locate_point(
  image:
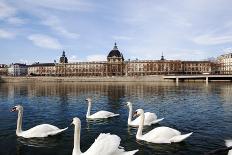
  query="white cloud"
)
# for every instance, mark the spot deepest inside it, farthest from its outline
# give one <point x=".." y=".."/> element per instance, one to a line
<point x="70" y="5"/>
<point x="6" y="10"/>
<point x="212" y="40"/>
<point x="169" y="53"/>
<point x="126" y="38"/>
<point x="16" y="21"/>
<point x="8" y="14"/>
<point x="54" y="23"/>
<point x="24" y="61"/>
<point x="74" y="58"/>
<point x="187" y="54"/>
<point x="6" y="34"/>
<point x="96" y="57"/>
<point x="227" y="50"/>
<point x="45" y="41"/>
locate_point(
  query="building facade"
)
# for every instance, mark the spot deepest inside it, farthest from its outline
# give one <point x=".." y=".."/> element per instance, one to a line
<point x="198" y="67"/>
<point x="225" y="63"/>
<point x="3" y="69"/>
<point x="115" y="65"/>
<point x="153" y="67"/>
<point x="42" y="69"/>
<point x="17" y="69"/>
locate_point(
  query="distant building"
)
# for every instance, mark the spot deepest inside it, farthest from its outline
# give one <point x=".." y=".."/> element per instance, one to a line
<point x="17" y="69"/>
<point x="153" y="67"/>
<point x="198" y="67"/>
<point x="42" y="69"/>
<point x="225" y="64"/>
<point x="115" y="65"/>
<point x="3" y="69"/>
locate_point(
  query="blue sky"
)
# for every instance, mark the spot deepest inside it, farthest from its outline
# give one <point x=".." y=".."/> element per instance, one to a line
<point x="39" y="30"/>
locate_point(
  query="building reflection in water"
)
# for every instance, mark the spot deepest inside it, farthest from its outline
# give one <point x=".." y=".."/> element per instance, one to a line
<point x="113" y="92"/>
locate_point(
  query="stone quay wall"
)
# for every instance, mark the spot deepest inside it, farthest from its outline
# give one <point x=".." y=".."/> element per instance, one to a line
<point x="155" y="78"/>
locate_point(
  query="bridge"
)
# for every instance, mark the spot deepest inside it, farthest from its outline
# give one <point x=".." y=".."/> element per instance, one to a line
<point x="207" y="78"/>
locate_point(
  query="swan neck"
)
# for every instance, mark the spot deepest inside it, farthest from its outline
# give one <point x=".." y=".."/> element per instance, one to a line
<point x="19" y="122"/>
<point x="140" y="129"/>
<point x="130" y="114"/>
<point x="76" y="147"/>
<point x="89" y="108"/>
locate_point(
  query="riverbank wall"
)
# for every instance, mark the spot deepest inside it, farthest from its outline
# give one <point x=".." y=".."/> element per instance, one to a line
<point x="7" y="79"/>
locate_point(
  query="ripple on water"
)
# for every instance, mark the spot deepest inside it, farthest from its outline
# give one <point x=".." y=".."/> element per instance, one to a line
<point x="189" y="107"/>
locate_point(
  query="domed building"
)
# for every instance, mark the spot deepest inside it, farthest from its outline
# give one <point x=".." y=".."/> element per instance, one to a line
<point x="63" y="58"/>
<point x="115" y="65"/>
<point x="115" y="55"/>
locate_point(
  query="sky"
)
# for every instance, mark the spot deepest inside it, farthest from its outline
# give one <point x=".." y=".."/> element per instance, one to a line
<point x="39" y="30"/>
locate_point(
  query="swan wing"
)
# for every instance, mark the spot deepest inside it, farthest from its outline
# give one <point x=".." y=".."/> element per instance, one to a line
<point x="149" y="117"/>
<point x="105" y="144"/>
<point x="180" y="138"/>
<point x="156" y="121"/>
<point x="42" y="130"/>
<point x="123" y="152"/>
<point x="160" y="135"/>
<point x="103" y="114"/>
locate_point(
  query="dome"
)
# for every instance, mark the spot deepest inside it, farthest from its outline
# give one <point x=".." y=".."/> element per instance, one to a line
<point x="63" y="58"/>
<point x="115" y="52"/>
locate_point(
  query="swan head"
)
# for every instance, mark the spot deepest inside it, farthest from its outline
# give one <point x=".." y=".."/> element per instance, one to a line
<point x="129" y="104"/>
<point x="17" y="108"/>
<point x="88" y="100"/>
<point x="76" y="121"/>
<point x="138" y="112"/>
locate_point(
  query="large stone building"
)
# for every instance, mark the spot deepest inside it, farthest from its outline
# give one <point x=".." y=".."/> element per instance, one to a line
<point x="17" y="69"/>
<point x="225" y="64"/>
<point x="3" y="69"/>
<point x="115" y="65"/>
<point x="42" y="69"/>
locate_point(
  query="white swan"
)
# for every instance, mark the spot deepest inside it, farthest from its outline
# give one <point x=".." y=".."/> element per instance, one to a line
<point x="98" y="115"/>
<point x="43" y="130"/>
<point x="159" y="134"/>
<point x="229" y="144"/>
<point x="105" y="144"/>
<point x="150" y="118"/>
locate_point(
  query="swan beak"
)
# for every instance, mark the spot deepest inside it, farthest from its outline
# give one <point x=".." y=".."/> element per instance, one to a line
<point x="13" y="109"/>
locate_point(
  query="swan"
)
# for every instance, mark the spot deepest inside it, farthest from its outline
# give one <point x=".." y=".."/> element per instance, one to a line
<point x="100" y="114"/>
<point x="42" y="130"/>
<point x="150" y="118"/>
<point x="229" y="145"/>
<point x="159" y="134"/>
<point x="105" y="144"/>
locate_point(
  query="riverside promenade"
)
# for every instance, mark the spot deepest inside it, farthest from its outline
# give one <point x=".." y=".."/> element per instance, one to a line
<point x="207" y="78"/>
<point x="9" y="79"/>
<point x="152" y="78"/>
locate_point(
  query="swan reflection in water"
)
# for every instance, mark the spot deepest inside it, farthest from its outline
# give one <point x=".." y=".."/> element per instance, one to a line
<point x="48" y="142"/>
<point x="151" y="148"/>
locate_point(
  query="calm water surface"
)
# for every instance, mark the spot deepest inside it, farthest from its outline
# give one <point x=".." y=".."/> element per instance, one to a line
<point x="189" y="107"/>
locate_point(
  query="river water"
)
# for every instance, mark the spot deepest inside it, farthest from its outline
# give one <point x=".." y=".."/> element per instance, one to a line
<point x="203" y="109"/>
